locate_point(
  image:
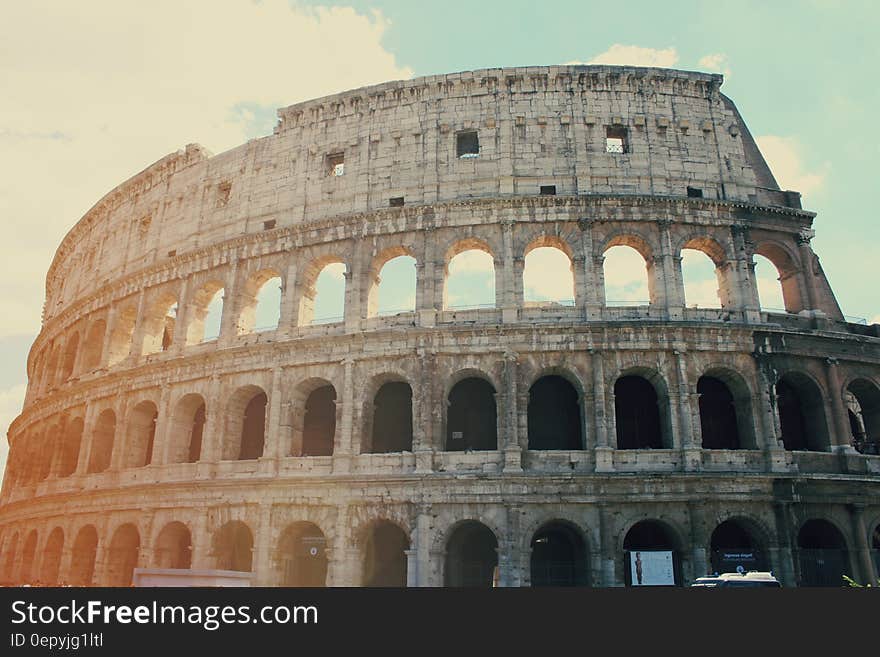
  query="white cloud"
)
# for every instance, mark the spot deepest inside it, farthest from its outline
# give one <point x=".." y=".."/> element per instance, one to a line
<point x="785" y="157"/>
<point x="11" y="400"/>
<point x="94" y="92"/>
<point x="716" y="62"/>
<point x="471" y="261"/>
<point x="547" y="275"/>
<point x="621" y="55"/>
<point x="626" y="276"/>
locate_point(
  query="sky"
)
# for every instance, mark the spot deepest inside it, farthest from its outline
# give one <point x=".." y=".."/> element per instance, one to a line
<point x="94" y="91"/>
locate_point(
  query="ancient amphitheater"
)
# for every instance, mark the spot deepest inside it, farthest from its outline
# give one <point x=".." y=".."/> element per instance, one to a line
<point x="536" y="443"/>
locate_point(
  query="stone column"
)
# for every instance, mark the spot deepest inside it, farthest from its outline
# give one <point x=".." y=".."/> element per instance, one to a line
<point x="355" y="275"/>
<point x="275" y="440"/>
<point x="178" y="340"/>
<point x="146" y="550"/>
<point x="603" y="452"/>
<point x="342" y="452"/>
<point x="669" y="289"/>
<point x="806" y="256"/>
<point x="785" y="558"/>
<point x="262" y="567"/>
<point x="691" y="450"/>
<point x="289" y="306"/>
<point x="746" y="283"/>
<point x="607" y="549"/>
<point x="699" y="539"/>
<point x="591" y="294"/>
<point x="229" y="316"/>
<point x="510" y="430"/>
<point x="862" y="547"/>
<point x="85" y="448"/>
<point x="516" y="576"/>
<point x="163" y="428"/>
<point x="120" y="434"/>
<point x="429" y="279"/>
<point x="202" y="549"/>
<point x="504" y="281"/>
<point x="423" y="402"/>
<point x="768" y="418"/>
<point x="136" y="347"/>
<point x="212" y="434"/>
<point x="841" y="433"/>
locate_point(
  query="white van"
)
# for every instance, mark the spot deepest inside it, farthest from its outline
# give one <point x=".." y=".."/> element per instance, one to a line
<point x="753" y="578"/>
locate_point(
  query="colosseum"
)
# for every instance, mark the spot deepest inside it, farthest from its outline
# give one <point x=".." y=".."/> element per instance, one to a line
<point x="581" y="442"/>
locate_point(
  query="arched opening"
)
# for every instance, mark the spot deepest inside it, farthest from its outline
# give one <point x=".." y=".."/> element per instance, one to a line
<point x="469" y="280"/>
<point x="554" y="415"/>
<point x="51" y="561"/>
<point x="766" y="275"/>
<point x="48" y="446"/>
<point x="302" y="556"/>
<point x="325" y="303"/>
<point x="121" y="335"/>
<point x="652" y="557"/>
<point x="260" y="303"/>
<point x="158" y="325"/>
<point x="246" y="424"/>
<point x="627" y="273"/>
<point x="548" y="276"/>
<point x="471" y="418"/>
<point x="788" y="275"/>
<point x="205" y="313"/>
<point x="28" y="552"/>
<point x="703" y="281"/>
<point x="385" y="555"/>
<point x="733" y="549"/>
<point x="122" y="557"/>
<point x="863" y="408"/>
<point x="639" y="416"/>
<point x="471" y="556"/>
<point x="801" y="411"/>
<point x="173" y="547"/>
<point x="187" y="429"/>
<point x="718" y="416"/>
<point x="393" y="289"/>
<point x="50" y="374"/>
<point x="392" y="429"/>
<point x="71" y="440"/>
<point x="319" y="422"/>
<point x="822" y="554"/>
<point x="233" y="547"/>
<point x="103" y="436"/>
<point x="559" y="556"/>
<point x="70" y="351"/>
<point x="141" y="435"/>
<point x="82" y="564"/>
<point x="93" y="345"/>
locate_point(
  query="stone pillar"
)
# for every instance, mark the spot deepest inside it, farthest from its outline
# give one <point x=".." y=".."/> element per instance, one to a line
<point x="699" y="539"/>
<point x="785" y="560"/>
<point x="592" y="293"/>
<point x="603" y="452"/>
<point x="231" y="295"/>
<point x="163" y="428"/>
<point x="423" y="403"/>
<point x="146" y="549"/>
<point x="136" y="346"/>
<point x="691" y="450"/>
<point x="666" y="276"/>
<point x="355" y="275"/>
<point x="840" y="430"/>
<point x="504" y="282"/>
<point x="178" y="340"/>
<point x="202" y="548"/>
<point x="806" y="256"/>
<point x="607" y="549"/>
<point x="212" y="433"/>
<point x="517" y="575"/>
<point x="412" y="568"/>
<point x="862" y="547"/>
<point x="99" y="573"/>
<point x="120" y="434"/>
<point x="288" y="317"/>
<point x="85" y="448"/>
<point x="275" y="439"/>
<point x="262" y="565"/>
<point x="768" y="419"/>
<point x="429" y="280"/>
<point x="746" y="283"/>
<point x="342" y="452"/>
<point x="510" y="431"/>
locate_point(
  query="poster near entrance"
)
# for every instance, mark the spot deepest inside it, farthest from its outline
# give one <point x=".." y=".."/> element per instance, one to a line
<point x="735" y="561"/>
<point x="651" y="568"/>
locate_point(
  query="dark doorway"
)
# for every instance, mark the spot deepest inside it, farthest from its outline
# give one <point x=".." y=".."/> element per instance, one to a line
<point x="734" y="550"/>
<point x="82" y="564"/>
<point x="385" y="556"/>
<point x="822" y="555"/>
<point x="471" y="421"/>
<point x="319" y="423"/>
<point x="646" y="542"/>
<point x="253" y="430"/>
<point x="637" y="414"/>
<point x="303" y="556"/>
<point x="123" y="556"/>
<point x="554" y="415"/>
<point x="195" y="438"/>
<point x="559" y="557"/>
<point x="801" y="414"/>
<point x="471" y="556"/>
<point x="233" y="547"/>
<point x="51" y="561"/>
<point x="717" y="414"/>
<point x="392" y="419"/>
<point x="173" y="547"/>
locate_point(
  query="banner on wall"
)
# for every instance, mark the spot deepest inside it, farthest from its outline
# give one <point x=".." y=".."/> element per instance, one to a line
<point x="651" y="568"/>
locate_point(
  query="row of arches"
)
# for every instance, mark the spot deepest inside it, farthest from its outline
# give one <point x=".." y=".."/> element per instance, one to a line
<point x="559" y="554"/>
<point x="555" y="421"/>
<point x="166" y="317"/>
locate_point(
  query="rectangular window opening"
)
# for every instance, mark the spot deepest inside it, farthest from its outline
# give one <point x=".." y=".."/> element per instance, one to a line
<point x="396" y="201"/>
<point x="336" y="164"/>
<point x="694" y="192"/>
<point x="269" y="225"/>
<point x="615" y="139"/>
<point x="467" y="144"/>
<point x="548" y="190"/>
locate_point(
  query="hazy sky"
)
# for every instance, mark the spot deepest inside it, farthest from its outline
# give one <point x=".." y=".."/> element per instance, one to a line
<point x="96" y="90"/>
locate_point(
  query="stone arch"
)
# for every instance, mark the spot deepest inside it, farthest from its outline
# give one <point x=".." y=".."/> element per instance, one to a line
<point x="122" y="555"/>
<point x="458" y="248"/>
<point x="158" y="323"/>
<point x="822" y="553"/>
<point x="555" y="414"/>
<point x="384" y="544"/>
<point x="308" y="289"/>
<point x="93" y="346"/>
<point x="652" y="535"/>
<point x="245" y="434"/>
<point x="314" y="418"/>
<point x="789" y="273"/>
<point x="51" y="371"/>
<point x="641" y="246"/>
<point x="103" y="438"/>
<point x="388" y="416"/>
<point x="559" y="555"/>
<point x="70" y="446"/>
<point x="862" y="400"/>
<point x="471" y="555"/>
<point x="563" y="293"/>
<point x="254" y="296"/>
<point x="121" y="335"/>
<point x="800" y="404"/>
<point x="28" y="558"/>
<point x="374" y="283"/>
<point x="642" y="410"/>
<point x="738" y="544"/>
<point x="301" y="558"/>
<point x="233" y="545"/>
<point x="50" y="563"/>
<point x="187" y="429"/>
<point x="82" y="564"/>
<point x="173" y="547"/>
<point x="471" y="413"/>
<point x="715" y="252"/>
<point x="725" y="405"/>
<point x="141" y="435"/>
<point x="200" y="321"/>
<point x="71" y="349"/>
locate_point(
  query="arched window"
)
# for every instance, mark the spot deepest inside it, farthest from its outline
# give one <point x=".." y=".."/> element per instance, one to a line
<point x="121" y="335"/>
<point x="158" y="324"/>
<point x="302" y="556"/>
<point x="122" y="556"/>
<point x="392" y="419"/>
<point x="71" y="440"/>
<point x="329" y="295"/>
<point x="863" y="409"/>
<point x="385" y="555"/>
<point x="25" y="572"/>
<point x="470" y="277"/>
<point x="641" y="419"/>
<point x="187" y="429"/>
<point x="554" y="415"/>
<point x="822" y="554"/>
<point x="627" y="277"/>
<point x="652" y="556"/>
<point x="559" y="556"/>
<point x="260" y="303"/>
<point x="141" y="435"/>
<point x="51" y="561"/>
<point x="318" y="422"/>
<point x="103" y="437"/>
<point x="471" y="556"/>
<point x="393" y="289"/>
<point x="70" y="351"/>
<point x="788" y="276"/>
<point x="253" y="429"/>
<point x="233" y="547"/>
<point x="701" y="280"/>
<point x="769" y="288"/>
<point x="801" y="409"/>
<point x="173" y="547"/>
<point x="205" y="313"/>
<point x="471" y="418"/>
<point x="548" y="276"/>
<point x="82" y="564"/>
<point x="718" y="416"/>
<point x="93" y="345"/>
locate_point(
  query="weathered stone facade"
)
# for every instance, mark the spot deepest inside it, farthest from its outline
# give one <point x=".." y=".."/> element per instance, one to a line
<point x="105" y="473"/>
